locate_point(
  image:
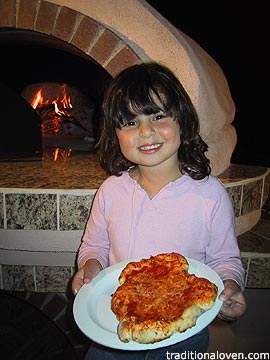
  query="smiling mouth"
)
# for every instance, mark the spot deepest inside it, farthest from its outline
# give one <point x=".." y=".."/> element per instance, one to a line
<point x="150" y="147"/>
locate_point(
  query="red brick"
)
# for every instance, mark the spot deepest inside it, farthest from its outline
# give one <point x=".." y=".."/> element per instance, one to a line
<point x="46" y="17"/>
<point x="104" y="46"/>
<point x="65" y="24"/>
<point x="125" y="58"/>
<point x="7" y="13"/>
<point x="26" y="14"/>
<point x="85" y="33"/>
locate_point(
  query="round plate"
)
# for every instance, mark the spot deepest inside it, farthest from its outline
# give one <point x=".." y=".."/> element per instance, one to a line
<point x="93" y="314"/>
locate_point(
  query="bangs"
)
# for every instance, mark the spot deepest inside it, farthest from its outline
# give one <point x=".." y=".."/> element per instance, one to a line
<point x="137" y="101"/>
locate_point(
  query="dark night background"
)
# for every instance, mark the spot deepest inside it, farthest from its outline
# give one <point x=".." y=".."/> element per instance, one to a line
<point x="221" y="29"/>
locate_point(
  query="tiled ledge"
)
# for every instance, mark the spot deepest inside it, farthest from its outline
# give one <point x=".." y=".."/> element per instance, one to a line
<point x="46" y="187"/>
<point x="43" y="211"/>
<point x="248" y="187"/>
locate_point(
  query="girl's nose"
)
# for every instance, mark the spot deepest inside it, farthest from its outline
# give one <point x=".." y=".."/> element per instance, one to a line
<point x="147" y="130"/>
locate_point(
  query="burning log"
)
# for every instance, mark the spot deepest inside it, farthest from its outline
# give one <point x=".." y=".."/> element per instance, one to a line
<point x="53" y="122"/>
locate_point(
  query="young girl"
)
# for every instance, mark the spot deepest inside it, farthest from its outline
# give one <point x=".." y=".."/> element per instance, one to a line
<point x="160" y="196"/>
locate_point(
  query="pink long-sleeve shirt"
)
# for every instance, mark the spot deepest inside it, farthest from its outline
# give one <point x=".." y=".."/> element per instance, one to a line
<point x="192" y="217"/>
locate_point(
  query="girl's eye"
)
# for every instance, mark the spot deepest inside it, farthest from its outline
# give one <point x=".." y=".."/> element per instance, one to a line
<point x="129" y="124"/>
<point x="159" y="117"/>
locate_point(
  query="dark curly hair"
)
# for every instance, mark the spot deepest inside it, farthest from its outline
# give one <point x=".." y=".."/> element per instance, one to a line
<point x="135" y="91"/>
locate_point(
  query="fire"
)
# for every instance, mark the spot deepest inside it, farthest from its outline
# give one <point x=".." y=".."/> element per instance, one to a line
<point x="38" y="99"/>
<point x="54" y="113"/>
<point x="62" y="100"/>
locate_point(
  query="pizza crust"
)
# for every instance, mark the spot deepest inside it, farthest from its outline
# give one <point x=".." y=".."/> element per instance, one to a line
<point x="158" y="297"/>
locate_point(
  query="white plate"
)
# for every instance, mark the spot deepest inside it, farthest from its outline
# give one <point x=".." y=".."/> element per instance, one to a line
<point x="93" y="314"/>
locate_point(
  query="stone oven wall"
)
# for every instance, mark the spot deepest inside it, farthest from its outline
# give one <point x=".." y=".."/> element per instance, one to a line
<point x="116" y="37"/>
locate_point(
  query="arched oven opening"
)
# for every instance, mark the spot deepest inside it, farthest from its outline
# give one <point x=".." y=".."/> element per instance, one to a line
<point x="50" y="94"/>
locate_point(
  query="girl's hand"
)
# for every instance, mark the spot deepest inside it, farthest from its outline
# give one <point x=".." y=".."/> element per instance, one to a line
<point x="85" y="275"/>
<point x="234" y="303"/>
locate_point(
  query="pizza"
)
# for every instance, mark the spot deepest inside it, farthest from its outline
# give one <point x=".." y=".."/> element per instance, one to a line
<point x="157" y="297"/>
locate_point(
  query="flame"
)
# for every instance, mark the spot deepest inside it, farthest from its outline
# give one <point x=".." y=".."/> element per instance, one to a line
<point x="61" y="102"/>
<point x="57" y="110"/>
<point x="38" y="99"/>
<point x="64" y="101"/>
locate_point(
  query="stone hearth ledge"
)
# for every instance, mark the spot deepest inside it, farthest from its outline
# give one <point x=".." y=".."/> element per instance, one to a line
<point x="44" y="209"/>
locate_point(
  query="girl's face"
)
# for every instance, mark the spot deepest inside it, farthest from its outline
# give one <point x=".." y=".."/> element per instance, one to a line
<point x="150" y="140"/>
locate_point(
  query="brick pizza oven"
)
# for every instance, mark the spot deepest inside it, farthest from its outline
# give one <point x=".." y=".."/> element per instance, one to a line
<point x="111" y="36"/>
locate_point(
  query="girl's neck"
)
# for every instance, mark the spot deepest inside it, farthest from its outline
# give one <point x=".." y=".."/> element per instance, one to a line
<point x="152" y="180"/>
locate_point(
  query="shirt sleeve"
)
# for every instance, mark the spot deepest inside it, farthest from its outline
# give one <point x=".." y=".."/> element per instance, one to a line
<point x="222" y="253"/>
<point x="95" y="241"/>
